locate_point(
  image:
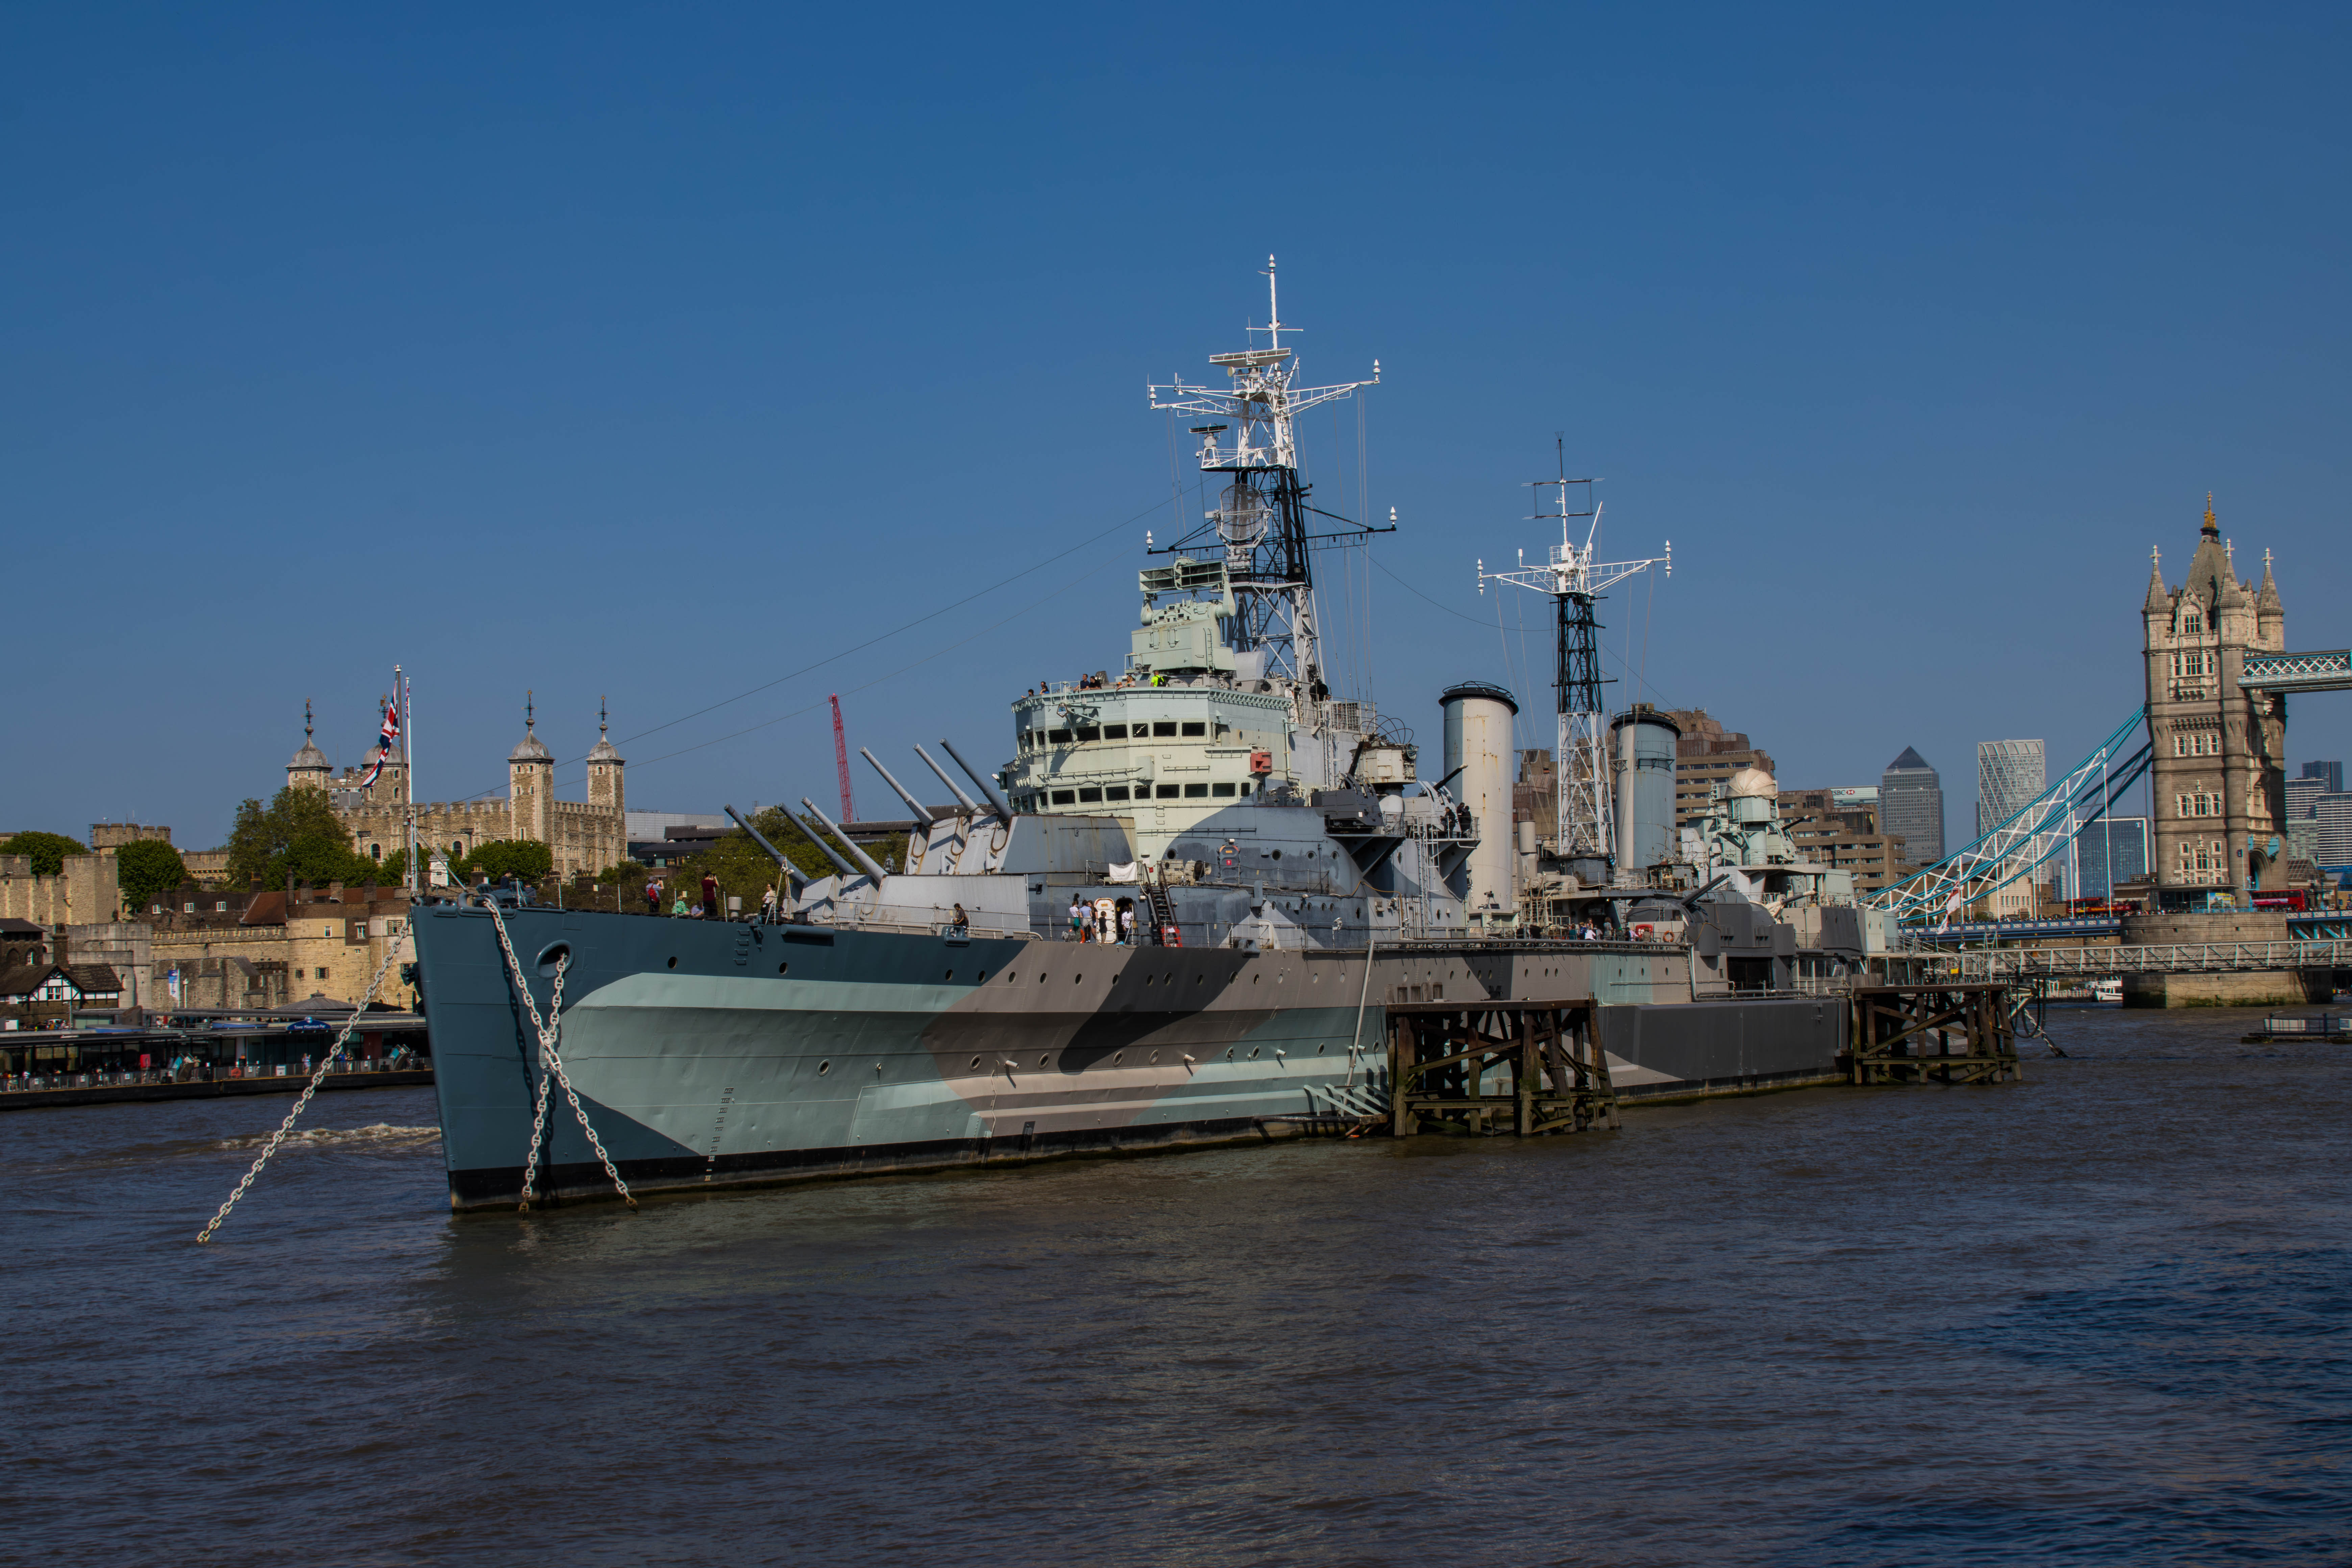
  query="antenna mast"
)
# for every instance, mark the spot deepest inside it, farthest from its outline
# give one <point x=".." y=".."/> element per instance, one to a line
<point x="1574" y="580"/>
<point x="1260" y="523"/>
<point x="840" y="762"/>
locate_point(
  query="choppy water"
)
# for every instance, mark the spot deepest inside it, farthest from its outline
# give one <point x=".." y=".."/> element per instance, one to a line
<point x="2097" y="1318"/>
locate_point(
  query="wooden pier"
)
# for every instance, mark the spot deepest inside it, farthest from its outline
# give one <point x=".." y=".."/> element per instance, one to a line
<point x="1941" y="1032"/>
<point x="1441" y="1056"/>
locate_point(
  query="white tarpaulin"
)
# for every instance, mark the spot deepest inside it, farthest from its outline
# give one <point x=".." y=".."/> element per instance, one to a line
<point x="1122" y="871"/>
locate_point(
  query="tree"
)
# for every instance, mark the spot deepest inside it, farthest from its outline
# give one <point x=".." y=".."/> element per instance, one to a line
<point x="744" y="870"/>
<point x="525" y="858"/>
<point x="297" y="836"/>
<point x="148" y="868"/>
<point x="49" y="851"/>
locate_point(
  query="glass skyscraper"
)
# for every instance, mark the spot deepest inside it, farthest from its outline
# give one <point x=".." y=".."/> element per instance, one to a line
<point x="2108" y="852"/>
<point x="2010" y="774"/>
<point x="1911" y="803"/>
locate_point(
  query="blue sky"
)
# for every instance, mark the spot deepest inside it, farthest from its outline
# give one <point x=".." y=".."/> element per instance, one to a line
<point x="660" y="354"/>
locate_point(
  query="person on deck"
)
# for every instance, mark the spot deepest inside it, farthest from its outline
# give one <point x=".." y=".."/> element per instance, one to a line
<point x="1077" y="918"/>
<point x="768" y="906"/>
<point x="710" y="896"/>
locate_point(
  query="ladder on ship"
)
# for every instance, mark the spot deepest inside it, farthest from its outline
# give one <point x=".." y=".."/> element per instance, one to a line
<point x="1155" y="899"/>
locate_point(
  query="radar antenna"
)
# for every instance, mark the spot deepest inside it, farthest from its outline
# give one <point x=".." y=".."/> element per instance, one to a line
<point x="1260" y="523"/>
<point x="1573" y="580"/>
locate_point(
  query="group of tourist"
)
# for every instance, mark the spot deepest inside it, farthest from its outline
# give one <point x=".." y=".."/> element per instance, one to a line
<point x="1102" y="921"/>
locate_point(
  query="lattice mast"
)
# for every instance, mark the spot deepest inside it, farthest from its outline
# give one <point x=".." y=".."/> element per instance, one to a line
<point x="1574" y="580"/>
<point x="841" y="760"/>
<point x="1260" y="523"/>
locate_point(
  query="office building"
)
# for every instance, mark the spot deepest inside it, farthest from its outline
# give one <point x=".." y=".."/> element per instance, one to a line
<point x="1911" y="807"/>
<point x="2109" y="853"/>
<point x="2010" y="774"/>
<point x="1705" y="755"/>
<point x="2331" y="815"/>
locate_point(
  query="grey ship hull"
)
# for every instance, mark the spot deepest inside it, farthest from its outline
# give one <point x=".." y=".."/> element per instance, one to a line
<point x="713" y="1056"/>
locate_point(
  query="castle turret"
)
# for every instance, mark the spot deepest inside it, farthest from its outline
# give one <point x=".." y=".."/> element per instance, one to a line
<point x="531" y="782"/>
<point x="309" y="768"/>
<point x="605" y="765"/>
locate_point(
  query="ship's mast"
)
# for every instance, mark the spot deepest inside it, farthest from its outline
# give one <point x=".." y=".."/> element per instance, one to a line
<point x="1260" y="523"/>
<point x="1574" y="580"/>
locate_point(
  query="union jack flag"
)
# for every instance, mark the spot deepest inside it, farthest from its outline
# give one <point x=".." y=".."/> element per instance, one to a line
<point x="390" y="734"/>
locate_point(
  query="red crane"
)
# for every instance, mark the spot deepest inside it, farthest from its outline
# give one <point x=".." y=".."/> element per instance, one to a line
<point x="841" y="761"/>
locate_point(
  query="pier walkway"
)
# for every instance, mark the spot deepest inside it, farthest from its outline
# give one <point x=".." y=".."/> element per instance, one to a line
<point x="2007" y="963"/>
<point x="109" y="1088"/>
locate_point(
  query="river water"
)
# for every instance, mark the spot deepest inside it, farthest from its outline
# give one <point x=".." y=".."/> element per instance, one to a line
<point x="2098" y="1317"/>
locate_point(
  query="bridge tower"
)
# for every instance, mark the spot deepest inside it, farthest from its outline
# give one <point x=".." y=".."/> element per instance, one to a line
<point x="2218" y="773"/>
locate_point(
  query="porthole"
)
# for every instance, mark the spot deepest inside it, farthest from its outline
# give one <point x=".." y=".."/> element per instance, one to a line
<point x="823" y="1069"/>
<point x="1117" y="1058"/>
<point x="1254" y="979"/>
<point x="1253" y="1053"/>
<point x="1155" y="1056"/>
<point x="981" y="976"/>
<point x="673" y="963"/>
<point x="1199" y="979"/>
<point x="949" y="975"/>
<point x="782" y="967"/>
<point x="1042" y="1059"/>
<point x="975" y="1064"/>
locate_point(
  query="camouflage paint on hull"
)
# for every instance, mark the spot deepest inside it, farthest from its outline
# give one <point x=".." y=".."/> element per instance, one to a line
<point x="732" y="1054"/>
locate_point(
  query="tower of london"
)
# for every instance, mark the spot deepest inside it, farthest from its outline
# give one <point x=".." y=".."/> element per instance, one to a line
<point x="580" y="837"/>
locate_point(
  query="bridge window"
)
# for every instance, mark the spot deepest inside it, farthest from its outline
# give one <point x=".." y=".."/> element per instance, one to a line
<point x="1166" y="792"/>
<point x="1196" y="791"/>
<point x="2188" y="663"/>
<point x="1090" y="797"/>
<point x="1089" y="732"/>
<point x="1115" y="792"/>
<point x="1221" y="789"/>
<point x="1114" y="731"/>
<point x="1058" y="737"/>
<point x="1196" y="727"/>
<point x="1066" y="797"/>
<point x="1163" y="727"/>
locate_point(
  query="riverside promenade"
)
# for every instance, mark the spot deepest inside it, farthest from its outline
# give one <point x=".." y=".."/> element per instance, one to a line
<point x="108" y="1089"/>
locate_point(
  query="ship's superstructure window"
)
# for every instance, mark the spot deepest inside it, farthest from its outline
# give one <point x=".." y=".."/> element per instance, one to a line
<point x="1196" y="791"/>
<point x="1166" y="792"/>
<point x="1089" y="796"/>
<point x="1196" y="727"/>
<point x="1163" y="727"/>
<point x="1115" y="792"/>
<point x="1089" y="732"/>
<point x="1065" y="797"/>
<point x="1114" y="731"/>
<point x="1058" y="737"/>
<point x="1221" y="789"/>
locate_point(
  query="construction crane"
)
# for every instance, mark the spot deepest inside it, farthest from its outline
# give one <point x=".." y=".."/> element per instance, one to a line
<point x="1573" y="580"/>
<point x="841" y="760"/>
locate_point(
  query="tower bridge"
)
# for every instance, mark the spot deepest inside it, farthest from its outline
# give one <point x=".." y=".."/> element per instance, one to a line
<point x="2210" y="741"/>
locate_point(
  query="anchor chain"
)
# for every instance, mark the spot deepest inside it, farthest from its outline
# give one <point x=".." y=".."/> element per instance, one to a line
<point x="551" y="1064"/>
<point x="317" y="1079"/>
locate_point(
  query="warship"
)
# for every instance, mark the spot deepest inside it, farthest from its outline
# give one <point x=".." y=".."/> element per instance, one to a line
<point x="1199" y="904"/>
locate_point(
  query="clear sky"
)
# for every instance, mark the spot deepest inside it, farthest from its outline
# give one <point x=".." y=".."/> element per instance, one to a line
<point x="662" y="353"/>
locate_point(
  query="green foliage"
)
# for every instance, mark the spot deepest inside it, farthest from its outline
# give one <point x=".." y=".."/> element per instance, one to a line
<point x="147" y="870"/>
<point x="502" y="858"/>
<point x="745" y="870"/>
<point x="49" y="851"/>
<point x="627" y="871"/>
<point x="392" y="872"/>
<point x="297" y="835"/>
